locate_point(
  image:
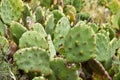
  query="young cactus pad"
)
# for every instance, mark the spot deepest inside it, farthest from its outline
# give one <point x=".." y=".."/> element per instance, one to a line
<point x="80" y="44"/>
<point x="33" y="59"/>
<point x="32" y="38"/>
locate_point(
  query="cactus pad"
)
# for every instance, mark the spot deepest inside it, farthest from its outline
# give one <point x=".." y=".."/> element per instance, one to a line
<point x="39" y="14"/>
<point x="17" y="30"/>
<point x="80" y="44"/>
<point x="51" y="48"/>
<point x="61" y="30"/>
<point x="33" y="59"/>
<point x="57" y="15"/>
<point x="11" y="10"/>
<point x="40" y="29"/>
<point x="62" y="72"/>
<point x="32" y="38"/>
<point x="49" y="24"/>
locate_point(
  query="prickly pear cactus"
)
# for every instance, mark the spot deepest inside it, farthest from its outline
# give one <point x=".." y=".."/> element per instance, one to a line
<point x="11" y="10"/>
<point x="62" y="72"/>
<point x="80" y="44"/>
<point x="32" y="38"/>
<point x="17" y="30"/>
<point x="59" y="39"/>
<point x="33" y="59"/>
<point x="61" y="30"/>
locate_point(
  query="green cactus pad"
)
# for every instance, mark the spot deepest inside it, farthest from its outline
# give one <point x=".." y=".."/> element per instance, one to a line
<point x="116" y="20"/>
<point x="39" y="14"/>
<point x="40" y="29"/>
<point x="17" y="30"/>
<point x="61" y="30"/>
<point x="62" y="72"/>
<point x="80" y="44"/>
<point x="33" y="59"/>
<point x="78" y="4"/>
<point x="113" y="45"/>
<point x="105" y="47"/>
<point x="114" y="6"/>
<point x="11" y="10"/>
<point x="46" y="3"/>
<point x="58" y="15"/>
<point x="49" y="24"/>
<point x="102" y="44"/>
<point x="26" y="12"/>
<point x="32" y="38"/>
<point x="51" y="48"/>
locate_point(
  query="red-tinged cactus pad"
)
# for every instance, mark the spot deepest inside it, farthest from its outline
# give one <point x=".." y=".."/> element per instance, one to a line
<point x="33" y="59"/>
<point x="80" y="44"/>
